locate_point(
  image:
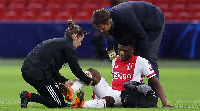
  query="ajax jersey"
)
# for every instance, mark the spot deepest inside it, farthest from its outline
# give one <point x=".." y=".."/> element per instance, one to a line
<point x="135" y="68"/>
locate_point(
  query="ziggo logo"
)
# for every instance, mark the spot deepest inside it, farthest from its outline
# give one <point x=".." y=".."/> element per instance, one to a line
<point x="118" y="75"/>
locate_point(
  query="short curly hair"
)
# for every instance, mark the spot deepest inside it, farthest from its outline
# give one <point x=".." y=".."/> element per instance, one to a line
<point x="99" y="17"/>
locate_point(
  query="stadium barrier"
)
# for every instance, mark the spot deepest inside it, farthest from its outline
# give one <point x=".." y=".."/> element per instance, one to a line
<point x="180" y="40"/>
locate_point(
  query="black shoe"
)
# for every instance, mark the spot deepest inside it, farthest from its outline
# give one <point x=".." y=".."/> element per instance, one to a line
<point x="24" y="99"/>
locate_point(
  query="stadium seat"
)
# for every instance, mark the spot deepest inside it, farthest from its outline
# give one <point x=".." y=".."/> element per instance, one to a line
<point x="27" y="16"/>
<point x="151" y="1"/>
<point x="196" y="17"/>
<point x="83" y="15"/>
<point x="73" y="8"/>
<point x="168" y="16"/>
<point x="56" y="2"/>
<point x="53" y="8"/>
<point x="179" y="2"/>
<point x="3" y="2"/>
<point x="10" y="16"/>
<point x="19" y="1"/>
<point x="164" y="7"/>
<point x="177" y="8"/>
<point x="46" y="16"/>
<point x="193" y="1"/>
<point x="63" y="16"/>
<point x="42" y="2"/>
<point x="73" y="1"/>
<point x="2" y="10"/>
<point x="18" y="8"/>
<point x="91" y="1"/>
<point x="162" y="2"/>
<point x="89" y="8"/>
<point x="36" y="8"/>
<point x="193" y="8"/>
<point x="183" y="16"/>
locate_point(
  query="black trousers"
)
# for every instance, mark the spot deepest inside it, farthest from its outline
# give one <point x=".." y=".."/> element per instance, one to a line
<point x="49" y="94"/>
<point x="154" y="45"/>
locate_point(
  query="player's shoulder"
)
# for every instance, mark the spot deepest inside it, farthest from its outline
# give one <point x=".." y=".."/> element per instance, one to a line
<point x="141" y="60"/>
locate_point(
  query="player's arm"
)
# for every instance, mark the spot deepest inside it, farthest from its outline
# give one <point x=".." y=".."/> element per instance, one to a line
<point x="148" y="71"/>
<point x="159" y="90"/>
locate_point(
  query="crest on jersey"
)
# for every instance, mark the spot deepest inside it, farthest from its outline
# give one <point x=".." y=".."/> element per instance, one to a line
<point x="129" y="66"/>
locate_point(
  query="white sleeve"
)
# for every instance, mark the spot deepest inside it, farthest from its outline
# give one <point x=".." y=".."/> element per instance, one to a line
<point x="146" y="68"/>
<point x="113" y="63"/>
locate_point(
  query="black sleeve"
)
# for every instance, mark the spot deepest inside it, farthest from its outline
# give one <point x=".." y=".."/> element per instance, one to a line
<point x="59" y="78"/>
<point x="74" y="66"/>
<point x="131" y="21"/>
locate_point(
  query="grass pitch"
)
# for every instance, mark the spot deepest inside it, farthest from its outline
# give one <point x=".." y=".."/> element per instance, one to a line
<point x="179" y="78"/>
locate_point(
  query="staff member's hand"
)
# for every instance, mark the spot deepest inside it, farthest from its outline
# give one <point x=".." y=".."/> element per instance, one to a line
<point x="68" y="84"/>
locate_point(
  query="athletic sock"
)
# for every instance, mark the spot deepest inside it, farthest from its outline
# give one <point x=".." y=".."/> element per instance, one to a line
<point x="29" y="95"/>
<point x="96" y="103"/>
<point x="78" y="84"/>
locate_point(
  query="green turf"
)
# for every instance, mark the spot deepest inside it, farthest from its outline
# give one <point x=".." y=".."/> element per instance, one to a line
<point x="179" y="78"/>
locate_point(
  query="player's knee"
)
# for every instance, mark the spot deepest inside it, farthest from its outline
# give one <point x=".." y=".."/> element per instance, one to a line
<point x="96" y="77"/>
<point x="109" y="101"/>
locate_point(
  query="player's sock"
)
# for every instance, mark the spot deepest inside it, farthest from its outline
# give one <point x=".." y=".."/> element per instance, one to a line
<point x="29" y="95"/>
<point x="100" y="89"/>
<point x="78" y="84"/>
<point x="96" y="103"/>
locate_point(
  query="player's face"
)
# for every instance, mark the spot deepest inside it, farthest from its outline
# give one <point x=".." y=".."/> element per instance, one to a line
<point x="125" y="52"/>
<point x="77" y="40"/>
<point x="105" y="28"/>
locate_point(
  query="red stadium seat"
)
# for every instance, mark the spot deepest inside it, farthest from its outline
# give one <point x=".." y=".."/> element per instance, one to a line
<point x="91" y="1"/>
<point x="18" y="8"/>
<point x="193" y="8"/>
<point x="196" y="17"/>
<point x="63" y="16"/>
<point x="74" y="1"/>
<point x="36" y="8"/>
<point x="45" y="16"/>
<point x="177" y="8"/>
<point x="151" y="1"/>
<point x="162" y="2"/>
<point x="19" y="1"/>
<point x="83" y="15"/>
<point x="89" y="8"/>
<point x="193" y="1"/>
<point x="169" y="16"/>
<point x="42" y="2"/>
<point x="3" y="2"/>
<point x="73" y="8"/>
<point x="10" y="16"/>
<point x="2" y="10"/>
<point x="27" y="16"/>
<point x="164" y="7"/>
<point x="54" y="8"/>
<point x="180" y="1"/>
<point x="183" y="16"/>
<point x="56" y="1"/>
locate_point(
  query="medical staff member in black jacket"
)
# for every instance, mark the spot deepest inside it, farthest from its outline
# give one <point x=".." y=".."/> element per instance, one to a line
<point x="41" y="68"/>
<point x="144" y="20"/>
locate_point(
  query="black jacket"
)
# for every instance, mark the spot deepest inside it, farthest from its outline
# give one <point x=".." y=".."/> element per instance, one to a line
<point x="139" y="18"/>
<point x="48" y="57"/>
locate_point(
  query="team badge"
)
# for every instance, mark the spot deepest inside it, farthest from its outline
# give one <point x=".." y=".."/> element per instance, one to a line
<point x="112" y="54"/>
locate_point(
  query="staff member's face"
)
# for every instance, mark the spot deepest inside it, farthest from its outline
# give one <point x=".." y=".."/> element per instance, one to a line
<point x="105" y="28"/>
<point x="77" y="40"/>
<point x="125" y="52"/>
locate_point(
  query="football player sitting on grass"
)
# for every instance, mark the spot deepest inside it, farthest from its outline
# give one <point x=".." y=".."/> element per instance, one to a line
<point x="126" y="67"/>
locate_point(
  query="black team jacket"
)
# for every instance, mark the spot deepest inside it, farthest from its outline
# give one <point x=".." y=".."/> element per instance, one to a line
<point x="48" y="57"/>
<point x="137" y="18"/>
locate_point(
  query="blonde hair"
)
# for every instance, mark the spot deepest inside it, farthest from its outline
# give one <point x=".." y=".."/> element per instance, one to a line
<point x="73" y="29"/>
